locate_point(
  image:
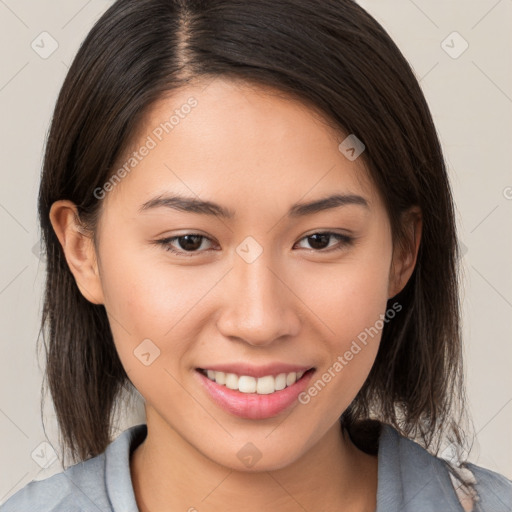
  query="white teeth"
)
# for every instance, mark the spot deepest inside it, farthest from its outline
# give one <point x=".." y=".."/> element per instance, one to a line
<point x="231" y="381"/>
<point x="280" y="381"/>
<point x="219" y="377"/>
<point x="262" y="385"/>
<point x="266" y="385"/>
<point x="291" y="378"/>
<point x="247" y="384"/>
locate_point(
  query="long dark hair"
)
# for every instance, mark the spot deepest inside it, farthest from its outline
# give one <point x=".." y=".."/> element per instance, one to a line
<point x="330" y="54"/>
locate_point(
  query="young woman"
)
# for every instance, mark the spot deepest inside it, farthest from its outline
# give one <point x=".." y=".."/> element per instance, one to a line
<point x="248" y="220"/>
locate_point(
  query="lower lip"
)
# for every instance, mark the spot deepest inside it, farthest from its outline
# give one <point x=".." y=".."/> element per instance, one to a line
<point x="251" y="405"/>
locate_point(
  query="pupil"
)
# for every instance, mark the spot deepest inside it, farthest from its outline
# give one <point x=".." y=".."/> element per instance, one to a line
<point x="324" y="240"/>
<point x="187" y="246"/>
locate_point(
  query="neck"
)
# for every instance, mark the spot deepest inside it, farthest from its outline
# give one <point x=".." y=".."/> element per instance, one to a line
<point x="332" y="475"/>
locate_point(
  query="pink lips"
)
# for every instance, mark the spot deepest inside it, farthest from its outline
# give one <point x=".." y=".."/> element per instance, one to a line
<point x="251" y="405"/>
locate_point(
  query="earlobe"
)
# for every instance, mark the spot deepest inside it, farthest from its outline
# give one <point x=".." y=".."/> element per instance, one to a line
<point x="405" y="255"/>
<point x="78" y="247"/>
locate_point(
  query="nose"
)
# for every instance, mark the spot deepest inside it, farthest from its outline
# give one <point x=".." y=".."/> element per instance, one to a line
<point x="259" y="305"/>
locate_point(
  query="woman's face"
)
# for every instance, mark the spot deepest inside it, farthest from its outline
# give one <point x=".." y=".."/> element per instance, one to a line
<point x="262" y="288"/>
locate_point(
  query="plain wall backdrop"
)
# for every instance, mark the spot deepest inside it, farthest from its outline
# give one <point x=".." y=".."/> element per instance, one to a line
<point x="460" y="52"/>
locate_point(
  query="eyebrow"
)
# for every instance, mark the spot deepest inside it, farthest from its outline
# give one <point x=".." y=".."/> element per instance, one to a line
<point x="193" y="205"/>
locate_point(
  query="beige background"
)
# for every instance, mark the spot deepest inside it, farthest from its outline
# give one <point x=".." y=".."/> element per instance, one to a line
<point x="470" y="95"/>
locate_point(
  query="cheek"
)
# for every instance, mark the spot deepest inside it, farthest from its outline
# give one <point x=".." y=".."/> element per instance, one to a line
<point x="149" y="298"/>
<point x="145" y="290"/>
<point x="350" y="305"/>
<point x="348" y="296"/>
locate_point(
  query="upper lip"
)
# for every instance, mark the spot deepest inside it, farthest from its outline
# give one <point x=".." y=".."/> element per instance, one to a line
<point x="256" y="371"/>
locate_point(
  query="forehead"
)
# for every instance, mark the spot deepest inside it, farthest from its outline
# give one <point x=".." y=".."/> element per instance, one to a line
<point x="224" y="137"/>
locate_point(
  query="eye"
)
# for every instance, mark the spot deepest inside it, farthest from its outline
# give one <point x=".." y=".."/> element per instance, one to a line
<point x="190" y="243"/>
<point x="318" y="241"/>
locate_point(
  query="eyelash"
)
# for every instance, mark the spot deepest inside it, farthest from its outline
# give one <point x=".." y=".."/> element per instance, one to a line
<point x="344" y="239"/>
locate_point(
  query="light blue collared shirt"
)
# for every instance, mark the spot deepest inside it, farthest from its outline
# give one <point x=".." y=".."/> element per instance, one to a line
<point x="410" y="479"/>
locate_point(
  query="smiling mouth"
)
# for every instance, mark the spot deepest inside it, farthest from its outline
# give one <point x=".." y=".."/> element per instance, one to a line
<point x="265" y="385"/>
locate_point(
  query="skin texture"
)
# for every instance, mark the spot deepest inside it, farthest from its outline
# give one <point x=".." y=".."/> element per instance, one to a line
<point x="257" y="153"/>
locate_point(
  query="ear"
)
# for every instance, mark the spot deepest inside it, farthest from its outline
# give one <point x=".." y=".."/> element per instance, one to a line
<point x="78" y="248"/>
<point x="405" y="253"/>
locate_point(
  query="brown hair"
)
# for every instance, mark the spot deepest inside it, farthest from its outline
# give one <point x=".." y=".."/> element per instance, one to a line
<point x="331" y="54"/>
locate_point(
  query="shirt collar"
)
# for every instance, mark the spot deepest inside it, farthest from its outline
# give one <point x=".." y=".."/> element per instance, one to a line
<point x="118" y="479"/>
<point x="410" y="479"/>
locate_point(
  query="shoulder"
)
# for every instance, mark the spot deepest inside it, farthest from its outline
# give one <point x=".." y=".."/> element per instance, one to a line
<point x="81" y="487"/>
<point x="422" y="481"/>
<point x="493" y="489"/>
<point x="99" y="484"/>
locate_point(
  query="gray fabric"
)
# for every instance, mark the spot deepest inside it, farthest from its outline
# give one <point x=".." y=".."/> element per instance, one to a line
<point x="409" y="480"/>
